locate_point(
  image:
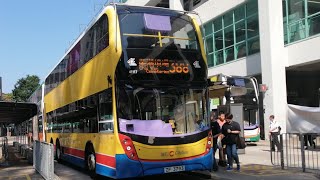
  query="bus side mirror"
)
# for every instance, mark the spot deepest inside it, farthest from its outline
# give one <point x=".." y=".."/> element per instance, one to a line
<point x="237" y="91"/>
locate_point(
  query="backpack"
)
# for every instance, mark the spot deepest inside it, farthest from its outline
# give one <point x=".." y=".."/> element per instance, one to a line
<point x="241" y="143"/>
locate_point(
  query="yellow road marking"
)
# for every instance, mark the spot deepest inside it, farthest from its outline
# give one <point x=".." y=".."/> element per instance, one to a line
<point x="28" y="177"/>
<point x="17" y="176"/>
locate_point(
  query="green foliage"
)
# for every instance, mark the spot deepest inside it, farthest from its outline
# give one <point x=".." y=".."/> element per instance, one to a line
<point x="7" y="97"/>
<point x="24" y="88"/>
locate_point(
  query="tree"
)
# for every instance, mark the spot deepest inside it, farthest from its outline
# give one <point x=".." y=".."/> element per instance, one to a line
<point x="24" y="88"/>
<point x="7" y="97"/>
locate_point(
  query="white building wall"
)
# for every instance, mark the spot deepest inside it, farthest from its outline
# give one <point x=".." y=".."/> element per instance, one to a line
<point x="304" y="52"/>
<point x="138" y="3"/>
<point x="250" y="65"/>
<point x="176" y="4"/>
<point x="273" y="61"/>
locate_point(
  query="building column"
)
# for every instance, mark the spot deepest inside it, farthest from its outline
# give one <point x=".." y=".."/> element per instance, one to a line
<point x="35" y="126"/>
<point x="273" y="62"/>
<point x="176" y="4"/>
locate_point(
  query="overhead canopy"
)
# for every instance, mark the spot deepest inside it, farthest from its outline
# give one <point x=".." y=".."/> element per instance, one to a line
<point x="12" y="112"/>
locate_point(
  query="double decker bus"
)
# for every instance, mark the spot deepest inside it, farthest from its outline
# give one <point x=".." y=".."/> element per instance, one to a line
<point x="129" y="98"/>
<point x="239" y="89"/>
<point x="35" y="130"/>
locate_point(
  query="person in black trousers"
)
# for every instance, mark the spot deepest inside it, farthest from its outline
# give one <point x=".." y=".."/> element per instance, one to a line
<point x="230" y="131"/>
<point x="274" y="132"/>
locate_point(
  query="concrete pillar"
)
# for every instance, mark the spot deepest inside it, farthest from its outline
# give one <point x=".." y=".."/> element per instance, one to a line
<point x="35" y="130"/>
<point x="274" y="59"/>
<point x="176" y="4"/>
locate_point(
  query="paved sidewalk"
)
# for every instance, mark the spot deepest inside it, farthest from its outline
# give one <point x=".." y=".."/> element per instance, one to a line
<point x="256" y="164"/>
<point x="17" y="167"/>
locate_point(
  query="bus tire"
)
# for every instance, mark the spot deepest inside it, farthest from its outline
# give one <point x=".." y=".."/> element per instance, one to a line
<point x="90" y="160"/>
<point x="58" y="151"/>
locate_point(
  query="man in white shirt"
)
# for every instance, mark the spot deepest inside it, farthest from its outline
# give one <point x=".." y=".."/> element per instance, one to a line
<point x="274" y="132"/>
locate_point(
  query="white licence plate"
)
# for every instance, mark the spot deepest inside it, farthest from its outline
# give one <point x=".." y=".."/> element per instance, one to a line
<point x="247" y="139"/>
<point x="174" y="169"/>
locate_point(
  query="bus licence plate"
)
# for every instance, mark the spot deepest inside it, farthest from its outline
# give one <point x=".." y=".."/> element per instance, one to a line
<point x="174" y="169"/>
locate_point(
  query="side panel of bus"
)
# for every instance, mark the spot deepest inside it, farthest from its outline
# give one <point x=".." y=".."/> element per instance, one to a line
<point x="90" y="79"/>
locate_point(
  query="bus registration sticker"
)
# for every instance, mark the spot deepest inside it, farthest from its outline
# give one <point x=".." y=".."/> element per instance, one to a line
<point x="174" y="169"/>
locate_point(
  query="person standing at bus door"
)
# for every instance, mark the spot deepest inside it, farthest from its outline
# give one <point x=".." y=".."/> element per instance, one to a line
<point x="273" y="133"/>
<point x="230" y="131"/>
<point x="220" y="143"/>
<point x="216" y="132"/>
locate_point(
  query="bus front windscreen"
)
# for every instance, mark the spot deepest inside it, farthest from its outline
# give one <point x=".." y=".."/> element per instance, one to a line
<point x="161" y="112"/>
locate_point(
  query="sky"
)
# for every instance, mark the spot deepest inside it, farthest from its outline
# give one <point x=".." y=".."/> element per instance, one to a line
<point x="35" y="34"/>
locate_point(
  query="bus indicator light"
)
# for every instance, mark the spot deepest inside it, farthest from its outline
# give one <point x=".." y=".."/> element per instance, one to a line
<point x="128" y="147"/>
<point x="209" y="141"/>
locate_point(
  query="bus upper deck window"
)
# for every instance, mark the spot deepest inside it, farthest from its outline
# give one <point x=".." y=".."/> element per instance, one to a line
<point x="157" y="22"/>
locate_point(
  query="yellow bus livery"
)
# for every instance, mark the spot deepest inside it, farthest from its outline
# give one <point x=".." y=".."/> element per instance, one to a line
<point x="129" y="98"/>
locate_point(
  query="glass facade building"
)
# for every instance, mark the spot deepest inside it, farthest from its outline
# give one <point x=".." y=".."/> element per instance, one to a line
<point x="233" y="35"/>
<point x="301" y="19"/>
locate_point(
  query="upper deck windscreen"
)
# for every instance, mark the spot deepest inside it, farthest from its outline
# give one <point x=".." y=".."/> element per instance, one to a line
<point x="149" y="28"/>
<point x="159" y="44"/>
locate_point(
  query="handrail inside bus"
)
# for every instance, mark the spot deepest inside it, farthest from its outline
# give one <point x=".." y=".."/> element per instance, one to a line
<point x="156" y="36"/>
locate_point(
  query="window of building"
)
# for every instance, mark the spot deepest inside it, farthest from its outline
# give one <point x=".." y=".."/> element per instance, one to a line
<point x="301" y="19"/>
<point x="233" y="35"/>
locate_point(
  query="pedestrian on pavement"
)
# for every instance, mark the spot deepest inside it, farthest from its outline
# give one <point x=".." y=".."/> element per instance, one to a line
<point x="220" y="143"/>
<point x="216" y="132"/>
<point x="230" y="131"/>
<point x="273" y="133"/>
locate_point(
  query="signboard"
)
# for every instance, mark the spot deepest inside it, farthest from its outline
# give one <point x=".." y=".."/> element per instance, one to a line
<point x="163" y="66"/>
<point x="168" y="66"/>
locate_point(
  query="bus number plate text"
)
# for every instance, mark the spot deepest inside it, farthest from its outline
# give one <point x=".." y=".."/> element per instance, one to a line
<point x="174" y="169"/>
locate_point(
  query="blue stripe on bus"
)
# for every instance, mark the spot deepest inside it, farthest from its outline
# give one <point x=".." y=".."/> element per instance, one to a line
<point x="127" y="168"/>
<point x="105" y="171"/>
<point x="100" y="169"/>
<point x="73" y="160"/>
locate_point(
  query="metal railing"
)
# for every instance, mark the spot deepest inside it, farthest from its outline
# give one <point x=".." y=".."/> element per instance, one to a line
<point x="22" y="139"/>
<point x="297" y="151"/>
<point x="43" y="160"/>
